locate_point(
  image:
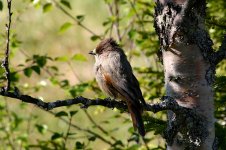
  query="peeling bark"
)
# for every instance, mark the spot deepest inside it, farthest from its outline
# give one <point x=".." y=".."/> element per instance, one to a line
<point x="189" y="71"/>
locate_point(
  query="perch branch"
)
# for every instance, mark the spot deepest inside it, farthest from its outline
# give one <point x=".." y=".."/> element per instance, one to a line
<point x="168" y="103"/>
<point x="5" y="62"/>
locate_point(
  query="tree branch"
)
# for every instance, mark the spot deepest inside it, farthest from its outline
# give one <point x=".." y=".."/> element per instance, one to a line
<point x="5" y="62"/>
<point x="168" y="103"/>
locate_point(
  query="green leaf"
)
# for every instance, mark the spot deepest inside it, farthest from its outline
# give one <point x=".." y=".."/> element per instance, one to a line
<point x="73" y="92"/>
<point x="105" y="122"/>
<point x="62" y="58"/>
<point x="78" y="89"/>
<point x="132" y="33"/>
<point x="47" y="7"/>
<point x="23" y="137"/>
<point x="1" y="5"/>
<point x="66" y="3"/>
<point x="40" y="60"/>
<point x="65" y="27"/>
<point x="54" y="81"/>
<point x="27" y="72"/>
<point x="80" y="18"/>
<point x="79" y="57"/>
<point x="79" y="145"/>
<point x="36" y="69"/>
<point x="17" y="120"/>
<point x="95" y="37"/>
<point x="118" y="142"/>
<point x="106" y="22"/>
<point x="61" y="114"/>
<point x="71" y="134"/>
<point x="92" y="138"/>
<point x="56" y="136"/>
<point x="64" y="83"/>
<point x="54" y="68"/>
<point x="72" y="113"/>
<point x="14" y="77"/>
<point x="42" y="128"/>
<point x="133" y="147"/>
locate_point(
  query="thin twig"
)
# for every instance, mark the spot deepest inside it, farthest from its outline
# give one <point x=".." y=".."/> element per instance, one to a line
<point x="98" y="126"/>
<point x="74" y="18"/>
<point x="137" y="15"/>
<point x="128" y="27"/>
<point x="68" y="133"/>
<point x="110" y="9"/>
<point x="117" y="21"/>
<point x="85" y="130"/>
<point x="74" y="72"/>
<point x="5" y="62"/>
<point x="9" y="132"/>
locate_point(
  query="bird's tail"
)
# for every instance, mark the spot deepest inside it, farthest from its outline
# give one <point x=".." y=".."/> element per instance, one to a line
<point x="136" y="112"/>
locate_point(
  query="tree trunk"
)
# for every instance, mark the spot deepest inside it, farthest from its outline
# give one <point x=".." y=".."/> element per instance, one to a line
<point x="189" y="74"/>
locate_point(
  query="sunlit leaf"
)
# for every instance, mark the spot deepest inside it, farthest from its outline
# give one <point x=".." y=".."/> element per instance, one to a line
<point x="23" y="137"/>
<point x="65" y="27"/>
<point x="62" y="59"/>
<point x="133" y="147"/>
<point x="78" y="89"/>
<point x="47" y="7"/>
<point x="42" y="128"/>
<point x="132" y="33"/>
<point x="54" y="81"/>
<point x="79" y="57"/>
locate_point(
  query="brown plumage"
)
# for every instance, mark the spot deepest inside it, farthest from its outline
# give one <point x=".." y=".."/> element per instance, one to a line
<point x="115" y="77"/>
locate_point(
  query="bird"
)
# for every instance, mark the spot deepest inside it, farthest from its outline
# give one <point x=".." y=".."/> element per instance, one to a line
<point x="115" y="77"/>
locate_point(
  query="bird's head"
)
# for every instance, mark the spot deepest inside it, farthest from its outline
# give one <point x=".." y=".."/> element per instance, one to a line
<point x="105" y="45"/>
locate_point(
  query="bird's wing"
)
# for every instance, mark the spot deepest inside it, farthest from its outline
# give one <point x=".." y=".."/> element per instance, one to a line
<point x="119" y="76"/>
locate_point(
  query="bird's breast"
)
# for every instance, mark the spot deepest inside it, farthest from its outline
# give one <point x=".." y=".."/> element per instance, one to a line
<point x="105" y="82"/>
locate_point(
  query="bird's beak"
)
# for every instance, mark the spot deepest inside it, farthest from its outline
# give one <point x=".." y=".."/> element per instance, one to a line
<point x="92" y="52"/>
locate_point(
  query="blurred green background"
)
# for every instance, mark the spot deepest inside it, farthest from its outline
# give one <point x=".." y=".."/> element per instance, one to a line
<point x="49" y="60"/>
